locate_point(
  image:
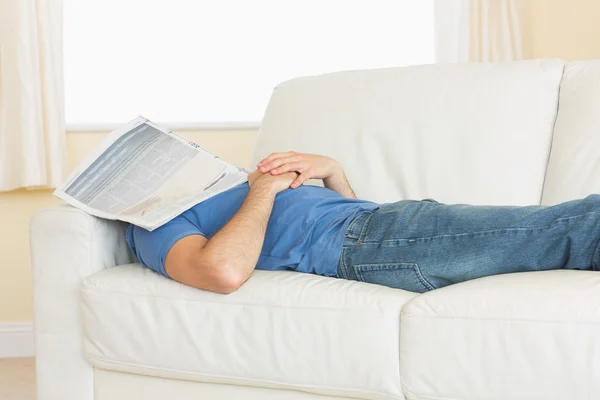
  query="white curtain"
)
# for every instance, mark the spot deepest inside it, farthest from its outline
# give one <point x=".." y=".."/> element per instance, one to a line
<point x="32" y="128"/>
<point x="479" y="30"/>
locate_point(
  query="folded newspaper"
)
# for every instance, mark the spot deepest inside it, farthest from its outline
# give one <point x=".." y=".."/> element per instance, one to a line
<point x="146" y="175"/>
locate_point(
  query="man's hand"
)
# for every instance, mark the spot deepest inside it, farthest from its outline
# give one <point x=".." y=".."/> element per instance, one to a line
<point x="271" y="183"/>
<point x="307" y="165"/>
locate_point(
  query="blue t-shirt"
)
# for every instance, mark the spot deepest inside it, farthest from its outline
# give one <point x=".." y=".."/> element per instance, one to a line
<point x="305" y="232"/>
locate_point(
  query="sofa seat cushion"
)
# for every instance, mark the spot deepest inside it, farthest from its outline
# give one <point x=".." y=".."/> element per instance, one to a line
<point x="281" y="329"/>
<point x="501" y="337"/>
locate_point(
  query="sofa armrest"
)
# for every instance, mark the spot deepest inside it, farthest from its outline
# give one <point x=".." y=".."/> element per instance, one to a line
<point x="67" y="245"/>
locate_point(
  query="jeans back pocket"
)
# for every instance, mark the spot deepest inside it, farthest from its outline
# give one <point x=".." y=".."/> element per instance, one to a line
<point x="406" y="276"/>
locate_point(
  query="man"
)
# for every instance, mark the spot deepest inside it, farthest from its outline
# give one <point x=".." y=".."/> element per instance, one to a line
<point x="273" y="222"/>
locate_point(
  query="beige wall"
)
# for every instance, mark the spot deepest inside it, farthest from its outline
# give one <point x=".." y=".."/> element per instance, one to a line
<point x="568" y="29"/>
<point x="16" y="208"/>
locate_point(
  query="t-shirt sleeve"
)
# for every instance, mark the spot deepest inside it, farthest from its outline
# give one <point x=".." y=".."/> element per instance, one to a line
<point x="151" y="248"/>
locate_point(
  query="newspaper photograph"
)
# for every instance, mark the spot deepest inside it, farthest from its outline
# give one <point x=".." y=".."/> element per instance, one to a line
<point x="146" y="175"/>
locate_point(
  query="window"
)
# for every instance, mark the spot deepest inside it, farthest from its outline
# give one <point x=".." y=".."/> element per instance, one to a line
<point x="209" y="61"/>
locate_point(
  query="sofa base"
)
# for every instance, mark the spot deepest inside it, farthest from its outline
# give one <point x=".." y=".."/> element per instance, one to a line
<point x="112" y="385"/>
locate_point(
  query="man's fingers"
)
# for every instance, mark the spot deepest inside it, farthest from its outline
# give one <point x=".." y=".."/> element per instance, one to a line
<point x="278" y="163"/>
<point x="300" y="180"/>
<point x="287" y="167"/>
<point x="274" y="156"/>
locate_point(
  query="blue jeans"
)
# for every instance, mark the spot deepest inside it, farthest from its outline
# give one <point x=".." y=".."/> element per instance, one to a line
<point x="425" y="245"/>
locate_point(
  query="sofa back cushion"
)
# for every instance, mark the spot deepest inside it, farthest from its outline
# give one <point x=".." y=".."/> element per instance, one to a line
<point x="476" y="133"/>
<point x="574" y="167"/>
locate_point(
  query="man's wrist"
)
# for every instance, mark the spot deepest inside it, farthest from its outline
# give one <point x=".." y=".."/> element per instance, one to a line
<point x="261" y="190"/>
<point x="334" y="180"/>
<point x="336" y="171"/>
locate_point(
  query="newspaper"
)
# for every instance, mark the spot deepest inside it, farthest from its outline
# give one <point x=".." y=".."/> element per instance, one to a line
<point x="146" y="175"/>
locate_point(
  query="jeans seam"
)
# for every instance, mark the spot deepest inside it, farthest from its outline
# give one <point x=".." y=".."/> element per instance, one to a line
<point x="363" y="230"/>
<point x="458" y="235"/>
<point x="422" y="278"/>
<point x="353" y="223"/>
<point x="574" y="216"/>
<point x="380" y="266"/>
<point x="343" y="263"/>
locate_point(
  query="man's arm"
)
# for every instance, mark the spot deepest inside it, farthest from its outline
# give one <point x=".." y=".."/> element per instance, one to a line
<point x="339" y="183"/>
<point x="223" y="263"/>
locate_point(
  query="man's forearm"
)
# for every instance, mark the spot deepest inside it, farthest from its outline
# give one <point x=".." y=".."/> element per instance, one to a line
<point x="339" y="183"/>
<point x="239" y="242"/>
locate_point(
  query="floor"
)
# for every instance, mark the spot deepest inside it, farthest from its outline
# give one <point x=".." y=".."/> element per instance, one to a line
<point x="17" y="379"/>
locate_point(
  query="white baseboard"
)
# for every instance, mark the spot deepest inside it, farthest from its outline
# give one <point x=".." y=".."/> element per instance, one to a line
<point x="16" y="339"/>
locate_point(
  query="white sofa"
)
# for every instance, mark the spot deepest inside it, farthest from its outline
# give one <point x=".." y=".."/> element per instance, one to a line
<point x="512" y="133"/>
